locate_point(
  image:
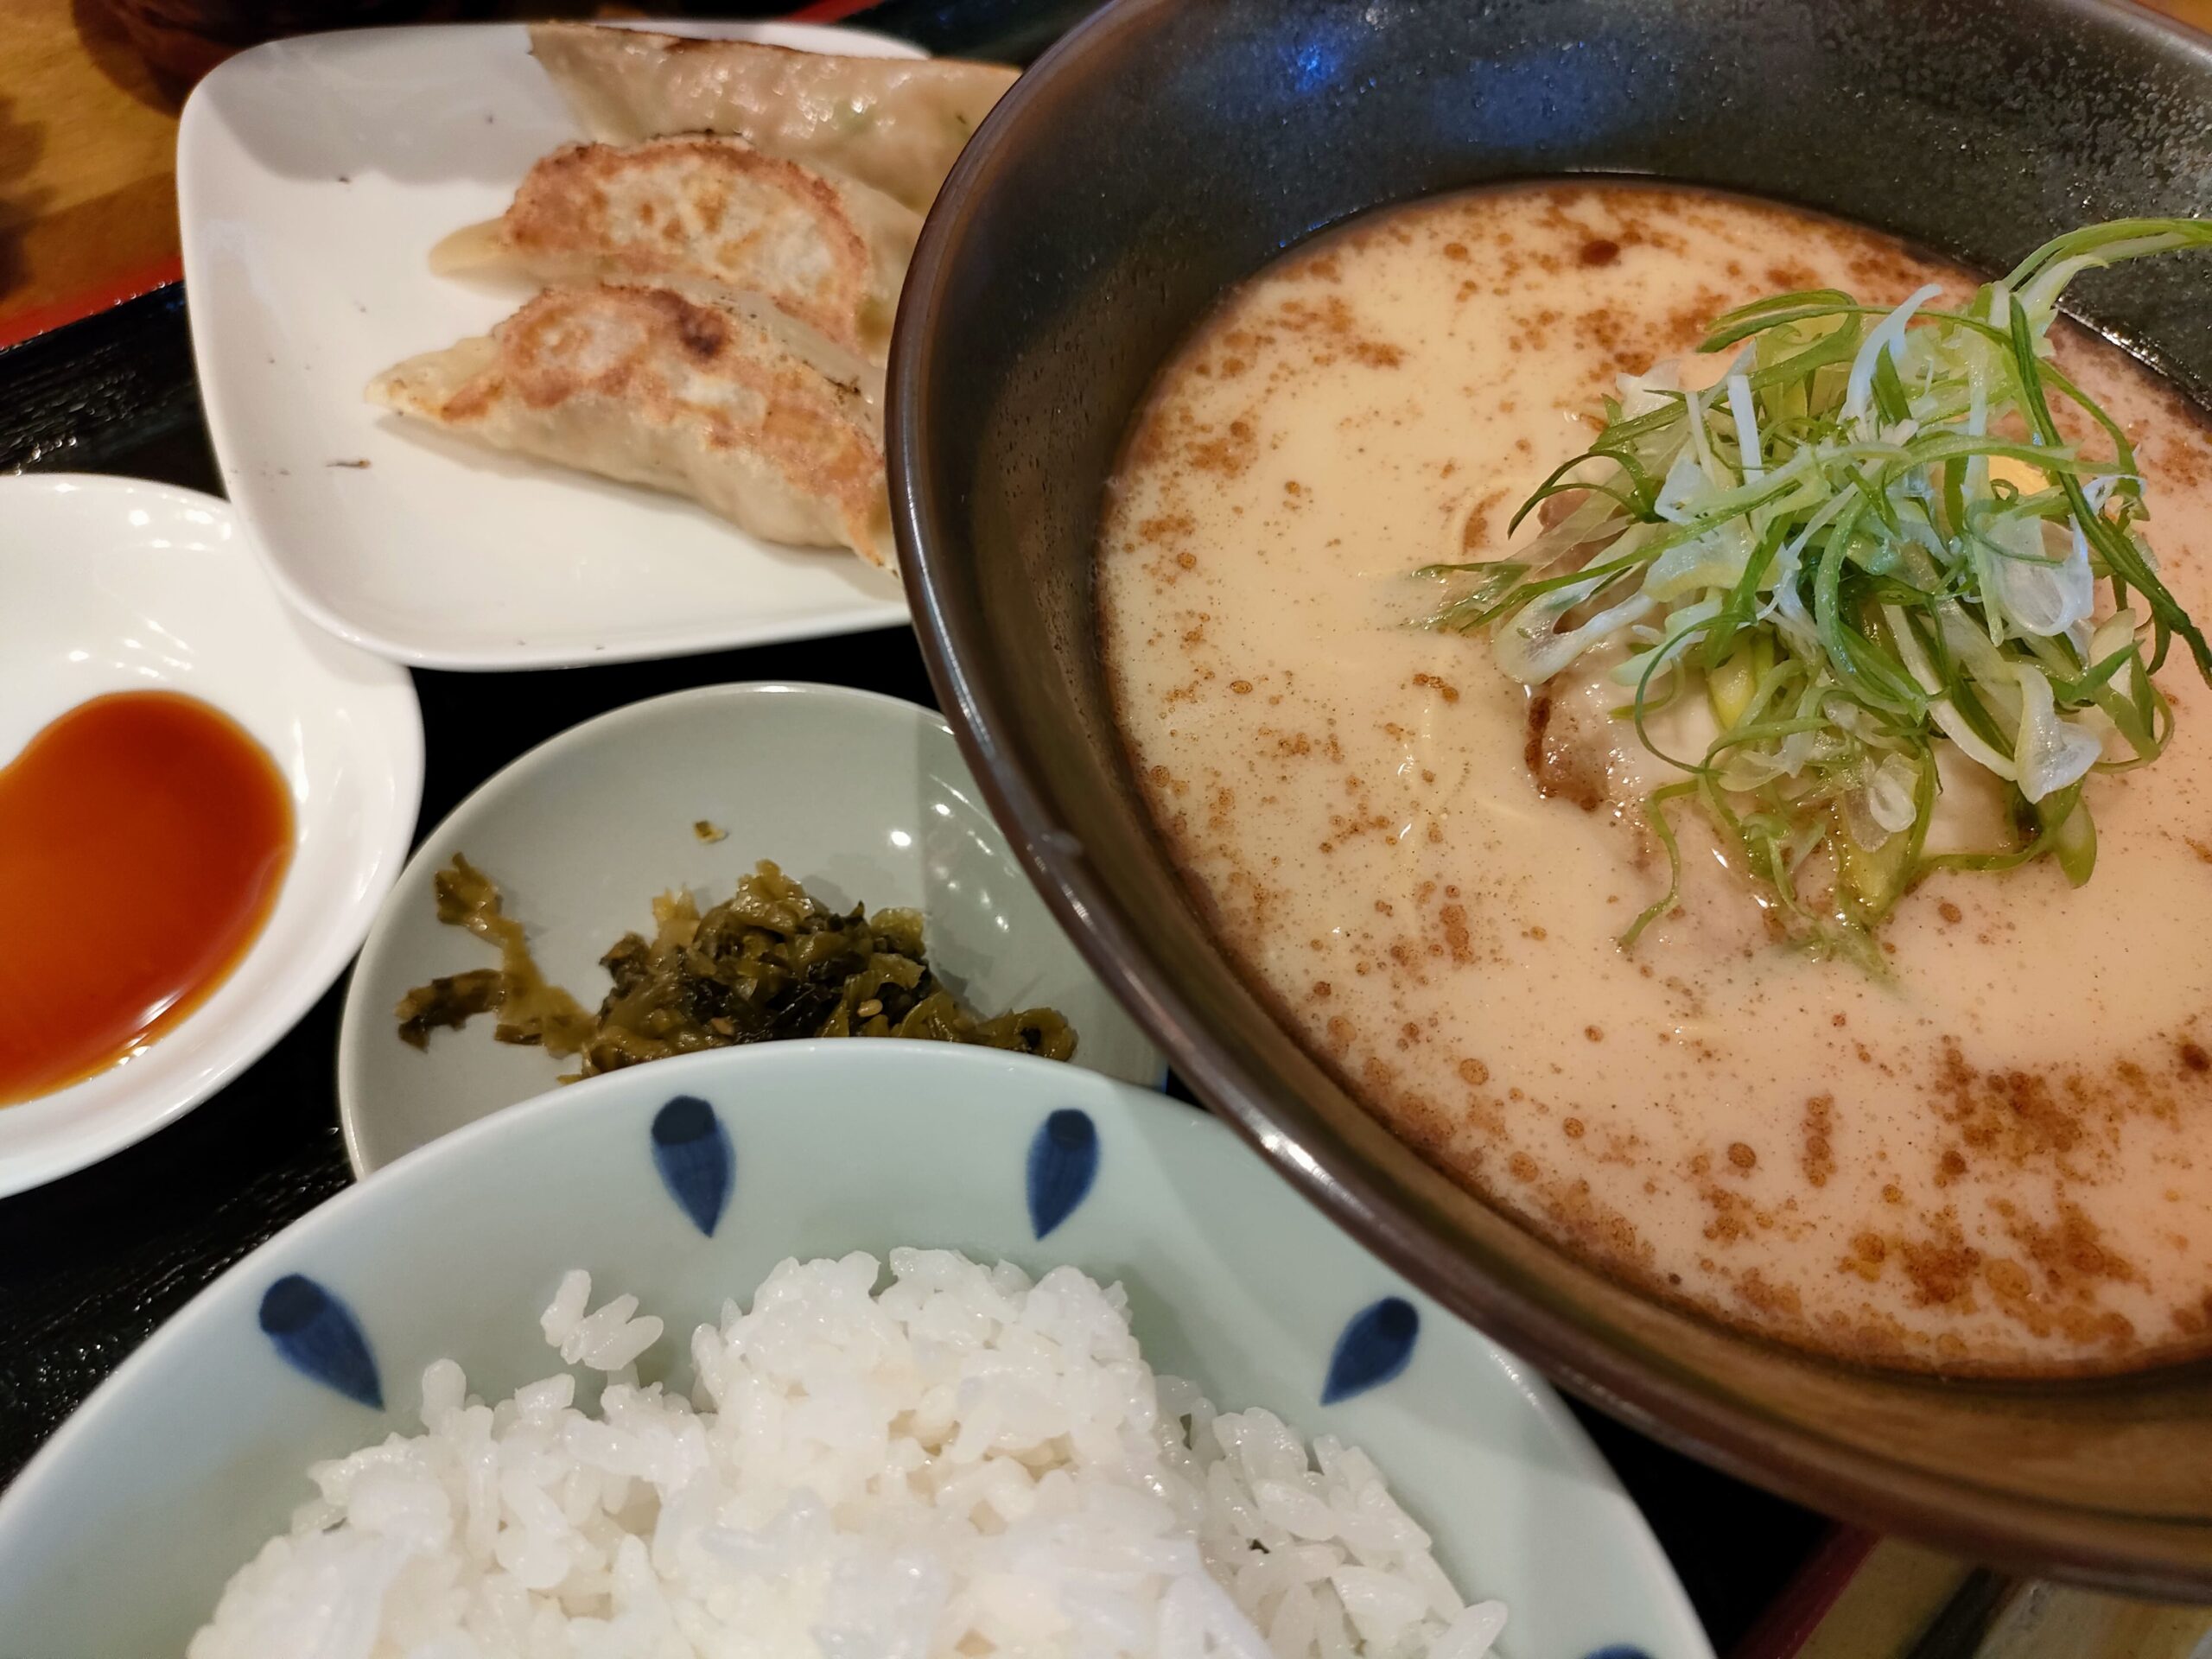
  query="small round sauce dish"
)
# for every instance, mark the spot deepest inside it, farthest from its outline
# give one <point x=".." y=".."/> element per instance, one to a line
<point x="201" y="800"/>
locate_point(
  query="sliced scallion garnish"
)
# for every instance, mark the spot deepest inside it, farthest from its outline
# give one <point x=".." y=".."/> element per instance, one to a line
<point x="1823" y="541"/>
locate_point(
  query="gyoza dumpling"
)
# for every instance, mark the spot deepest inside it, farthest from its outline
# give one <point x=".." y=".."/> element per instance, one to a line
<point x="896" y="124"/>
<point x="652" y="387"/>
<point x="700" y="210"/>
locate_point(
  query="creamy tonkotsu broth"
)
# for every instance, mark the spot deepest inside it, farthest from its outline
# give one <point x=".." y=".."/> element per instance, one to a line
<point x="1992" y="1163"/>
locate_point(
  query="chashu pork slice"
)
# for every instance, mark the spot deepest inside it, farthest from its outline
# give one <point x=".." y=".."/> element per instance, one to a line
<point x="896" y="124"/>
<point x="706" y="212"/>
<point x="658" y="388"/>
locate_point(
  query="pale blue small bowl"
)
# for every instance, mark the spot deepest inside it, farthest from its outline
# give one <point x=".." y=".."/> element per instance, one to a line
<point x="685" y="1181"/>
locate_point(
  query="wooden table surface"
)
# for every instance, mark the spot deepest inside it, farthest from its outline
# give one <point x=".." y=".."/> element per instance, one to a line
<point x="87" y="139"/>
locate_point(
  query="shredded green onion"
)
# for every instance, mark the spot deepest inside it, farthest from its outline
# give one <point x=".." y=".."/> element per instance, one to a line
<point x="1820" y="540"/>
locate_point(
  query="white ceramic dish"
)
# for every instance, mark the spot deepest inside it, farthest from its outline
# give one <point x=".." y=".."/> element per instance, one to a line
<point x="863" y="797"/>
<point x="114" y="585"/>
<point x="171" y="1474"/>
<point x="313" y="177"/>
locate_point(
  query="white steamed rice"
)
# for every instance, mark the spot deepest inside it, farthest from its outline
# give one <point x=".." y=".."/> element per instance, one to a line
<point x="965" y="1465"/>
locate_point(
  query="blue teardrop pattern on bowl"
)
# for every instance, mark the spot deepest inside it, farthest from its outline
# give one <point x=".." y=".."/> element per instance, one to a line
<point x="1375" y="1347"/>
<point x="318" y="1337"/>
<point x="698" y="1165"/>
<point x="1063" y="1163"/>
<point x="1618" y="1650"/>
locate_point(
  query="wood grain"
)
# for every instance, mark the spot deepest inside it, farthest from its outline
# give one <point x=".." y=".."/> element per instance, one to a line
<point x="88" y="142"/>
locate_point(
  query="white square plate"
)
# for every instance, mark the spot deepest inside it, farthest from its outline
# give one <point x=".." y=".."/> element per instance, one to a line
<point x="313" y="177"/>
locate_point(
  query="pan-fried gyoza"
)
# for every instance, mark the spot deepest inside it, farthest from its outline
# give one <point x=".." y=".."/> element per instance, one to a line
<point x="703" y="211"/>
<point x="647" y="386"/>
<point x="724" y="266"/>
<point x="896" y="123"/>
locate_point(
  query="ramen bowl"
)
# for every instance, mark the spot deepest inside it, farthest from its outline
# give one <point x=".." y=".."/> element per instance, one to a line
<point x="1162" y="153"/>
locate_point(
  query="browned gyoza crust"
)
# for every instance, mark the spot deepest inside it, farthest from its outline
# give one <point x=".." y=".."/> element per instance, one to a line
<point x="700" y="210"/>
<point x="651" y="387"/>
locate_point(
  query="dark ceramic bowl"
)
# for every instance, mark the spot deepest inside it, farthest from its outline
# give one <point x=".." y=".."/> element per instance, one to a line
<point x="1165" y="150"/>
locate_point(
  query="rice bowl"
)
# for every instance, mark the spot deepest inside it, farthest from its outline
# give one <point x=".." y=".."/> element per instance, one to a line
<point x="687" y="1182"/>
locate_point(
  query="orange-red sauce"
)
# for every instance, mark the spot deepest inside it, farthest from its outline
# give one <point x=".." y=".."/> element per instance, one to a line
<point x="143" y="838"/>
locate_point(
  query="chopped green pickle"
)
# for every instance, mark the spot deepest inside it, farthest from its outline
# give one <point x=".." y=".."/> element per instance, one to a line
<point x="770" y="962"/>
